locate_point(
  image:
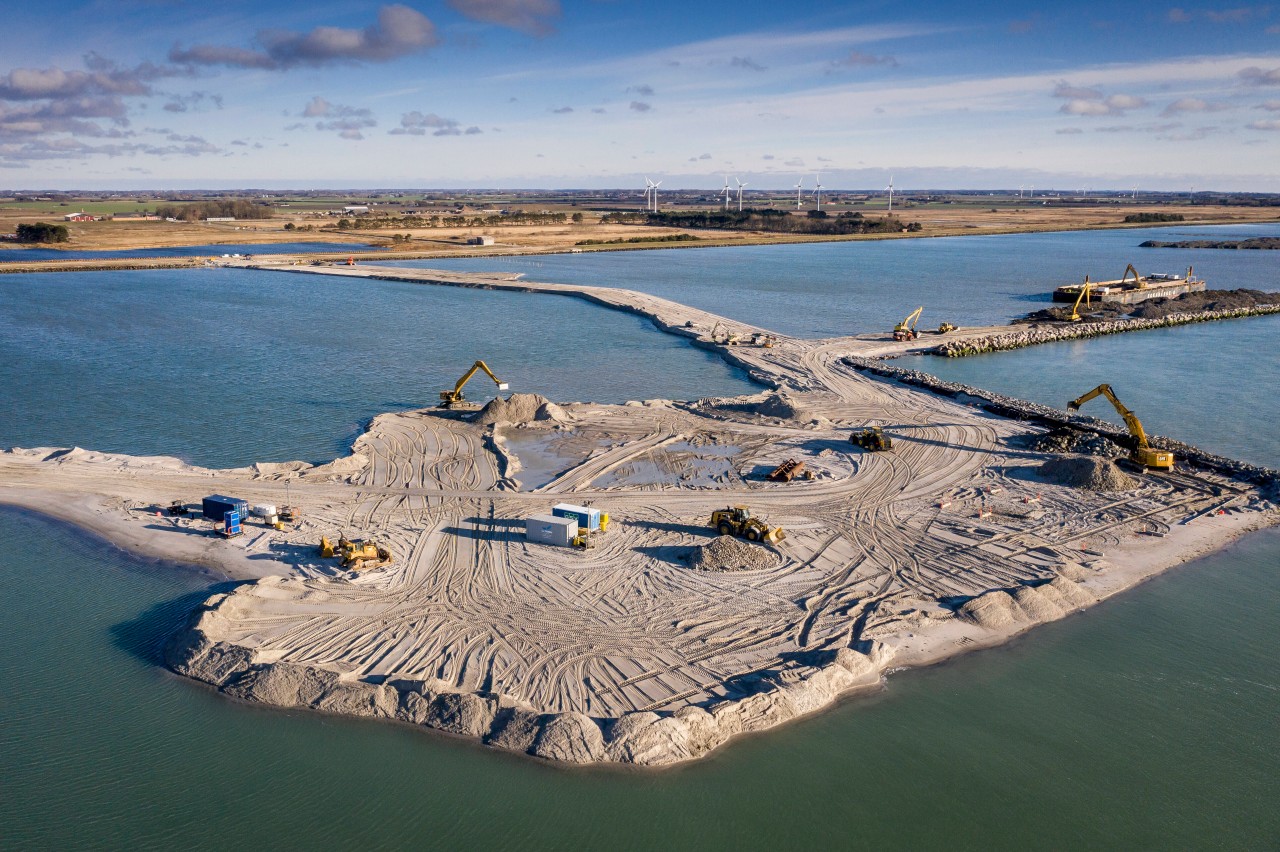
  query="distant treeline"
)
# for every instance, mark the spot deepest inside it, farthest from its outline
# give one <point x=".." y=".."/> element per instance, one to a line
<point x="410" y="221"/>
<point x="1136" y="218"/>
<point x="237" y="208"/>
<point x="773" y="221"/>
<point x="669" y="238"/>
<point x="42" y="232"/>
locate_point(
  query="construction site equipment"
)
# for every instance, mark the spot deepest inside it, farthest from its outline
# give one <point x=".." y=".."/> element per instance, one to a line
<point x="1138" y="281"/>
<point x="737" y="520"/>
<point x="786" y="471"/>
<point x="450" y="398"/>
<point x="215" y="507"/>
<point x="178" y="509"/>
<point x="764" y="340"/>
<point x="356" y="554"/>
<point x="592" y="520"/>
<point x="906" y="330"/>
<point x="551" y="529"/>
<point x="231" y="524"/>
<point x="289" y="514"/>
<point x="872" y="439"/>
<point x="946" y="327"/>
<point x="1143" y="453"/>
<point x="723" y="337"/>
<point x="1086" y="295"/>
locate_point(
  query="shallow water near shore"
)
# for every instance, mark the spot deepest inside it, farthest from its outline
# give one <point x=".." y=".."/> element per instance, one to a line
<point x="1142" y="723"/>
<point x="23" y="255"/>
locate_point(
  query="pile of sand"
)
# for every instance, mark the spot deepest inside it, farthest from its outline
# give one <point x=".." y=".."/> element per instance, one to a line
<point x="1091" y="472"/>
<point x="727" y="553"/>
<point x="1080" y="443"/>
<point x="519" y="408"/>
<point x="781" y="406"/>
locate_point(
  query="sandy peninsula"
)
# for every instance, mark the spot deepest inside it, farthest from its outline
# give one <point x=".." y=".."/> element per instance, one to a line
<point x="658" y="644"/>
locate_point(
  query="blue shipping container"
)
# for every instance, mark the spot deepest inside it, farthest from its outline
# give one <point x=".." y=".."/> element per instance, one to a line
<point x="231" y="524"/>
<point x="216" y="506"/>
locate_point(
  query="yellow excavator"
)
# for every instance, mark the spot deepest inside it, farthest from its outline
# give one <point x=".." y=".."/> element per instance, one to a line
<point x="1085" y="295"/>
<point x="450" y="398"/>
<point x="1138" y="281"/>
<point x="1143" y="453"/>
<point x="906" y="330"/>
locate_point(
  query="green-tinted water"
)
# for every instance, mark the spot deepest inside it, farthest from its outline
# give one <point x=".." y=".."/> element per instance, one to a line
<point x="1142" y="723"/>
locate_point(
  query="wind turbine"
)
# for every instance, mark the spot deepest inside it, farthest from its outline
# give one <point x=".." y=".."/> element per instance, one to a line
<point x="648" y="188"/>
<point x="740" y="186"/>
<point x="726" y="192"/>
<point x="817" y="191"/>
<point x="1020" y="188"/>
<point x="890" y="188"/>
<point x="1033" y="190"/>
<point x="799" y="188"/>
<point x="1135" y="192"/>
<point x="655" y="196"/>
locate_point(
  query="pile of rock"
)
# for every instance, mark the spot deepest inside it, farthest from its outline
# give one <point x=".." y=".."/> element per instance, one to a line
<point x="1080" y="443"/>
<point x="727" y="553"/>
<point x="1090" y="472"/>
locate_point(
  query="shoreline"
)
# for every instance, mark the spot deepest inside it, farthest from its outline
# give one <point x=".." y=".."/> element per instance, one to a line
<point x="833" y="656"/>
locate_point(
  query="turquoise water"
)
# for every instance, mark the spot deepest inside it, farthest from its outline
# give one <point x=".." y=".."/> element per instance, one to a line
<point x="828" y="289"/>
<point x="1141" y="723"/>
<point x="216" y="250"/>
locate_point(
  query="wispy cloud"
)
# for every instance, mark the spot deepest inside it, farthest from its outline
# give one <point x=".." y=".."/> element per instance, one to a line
<point x="419" y="124"/>
<point x="528" y="16"/>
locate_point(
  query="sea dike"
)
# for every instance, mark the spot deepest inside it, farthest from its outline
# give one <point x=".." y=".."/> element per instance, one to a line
<point x="1052" y="334"/>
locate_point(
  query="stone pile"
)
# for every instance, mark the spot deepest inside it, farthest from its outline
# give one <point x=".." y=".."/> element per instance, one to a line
<point x="727" y="553"/>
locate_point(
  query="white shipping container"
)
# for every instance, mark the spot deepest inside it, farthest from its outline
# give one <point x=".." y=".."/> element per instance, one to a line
<point x="548" y="529"/>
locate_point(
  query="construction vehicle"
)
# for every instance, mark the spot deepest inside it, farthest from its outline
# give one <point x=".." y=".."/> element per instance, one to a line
<point x="450" y="398"/>
<point x="737" y="520"/>
<point x="786" y="471"/>
<point x="1143" y="453"/>
<point x="1086" y="295"/>
<point x="1138" y="281"/>
<point x="871" y="439"/>
<point x="723" y="337"/>
<point x="354" y="554"/>
<point x="178" y="509"/>
<point x="764" y="340"/>
<point x="947" y="327"/>
<point x="906" y="330"/>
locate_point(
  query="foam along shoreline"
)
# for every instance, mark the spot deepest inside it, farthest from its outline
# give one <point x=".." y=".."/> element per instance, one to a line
<point x="623" y="653"/>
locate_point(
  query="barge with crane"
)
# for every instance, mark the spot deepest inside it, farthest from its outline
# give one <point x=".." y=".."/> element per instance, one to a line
<point x="1132" y="288"/>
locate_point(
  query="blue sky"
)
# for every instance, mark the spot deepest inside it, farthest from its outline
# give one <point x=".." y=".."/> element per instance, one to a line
<point x="599" y="93"/>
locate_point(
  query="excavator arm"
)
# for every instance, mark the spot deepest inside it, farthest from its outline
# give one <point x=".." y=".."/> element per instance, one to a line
<point x="1086" y="296"/>
<point x="1138" y="281"/>
<point x="448" y="398"/>
<point x="909" y="323"/>
<point x="1143" y="452"/>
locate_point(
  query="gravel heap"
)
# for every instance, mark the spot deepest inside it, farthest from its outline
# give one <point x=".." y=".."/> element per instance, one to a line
<point x="1089" y="472"/>
<point x="1080" y="443"/>
<point x="519" y="408"/>
<point x="727" y="553"/>
<point x="778" y="405"/>
<point x="1206" y="300"/>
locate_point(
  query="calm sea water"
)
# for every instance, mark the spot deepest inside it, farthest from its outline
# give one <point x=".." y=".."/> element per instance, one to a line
<point x="828" y="289"/>
<point x="1142" y="723"/>
<point x="214" y="250"/>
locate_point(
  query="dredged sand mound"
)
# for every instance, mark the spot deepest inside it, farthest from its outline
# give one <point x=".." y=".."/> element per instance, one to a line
<point x="519" y="408"/>
<point x="1091" y="472"/>
<point x="727" y="553"/>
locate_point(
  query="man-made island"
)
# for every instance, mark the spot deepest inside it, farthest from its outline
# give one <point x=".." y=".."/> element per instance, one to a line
<point x="661" y="641"/>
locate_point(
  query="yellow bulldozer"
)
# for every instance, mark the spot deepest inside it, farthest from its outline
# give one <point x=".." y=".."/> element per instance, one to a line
<point x="450" y="398"/>
<point x="1143" y="453"/>
<point x="737" y="520"/>
<point x="356" y="555"/>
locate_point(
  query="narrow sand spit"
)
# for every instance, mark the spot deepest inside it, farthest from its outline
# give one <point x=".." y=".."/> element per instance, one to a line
<point x="625" y="652"/>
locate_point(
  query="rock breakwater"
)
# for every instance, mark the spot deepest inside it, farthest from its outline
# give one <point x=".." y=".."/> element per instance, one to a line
<point x="1037" y="334"/>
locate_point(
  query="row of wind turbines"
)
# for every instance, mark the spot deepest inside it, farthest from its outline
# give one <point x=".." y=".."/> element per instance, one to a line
<point x="651" y="193"/>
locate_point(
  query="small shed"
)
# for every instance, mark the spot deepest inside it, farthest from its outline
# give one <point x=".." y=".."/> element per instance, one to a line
<point x="548" y="529"/>
<point x="480" y="241"/>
